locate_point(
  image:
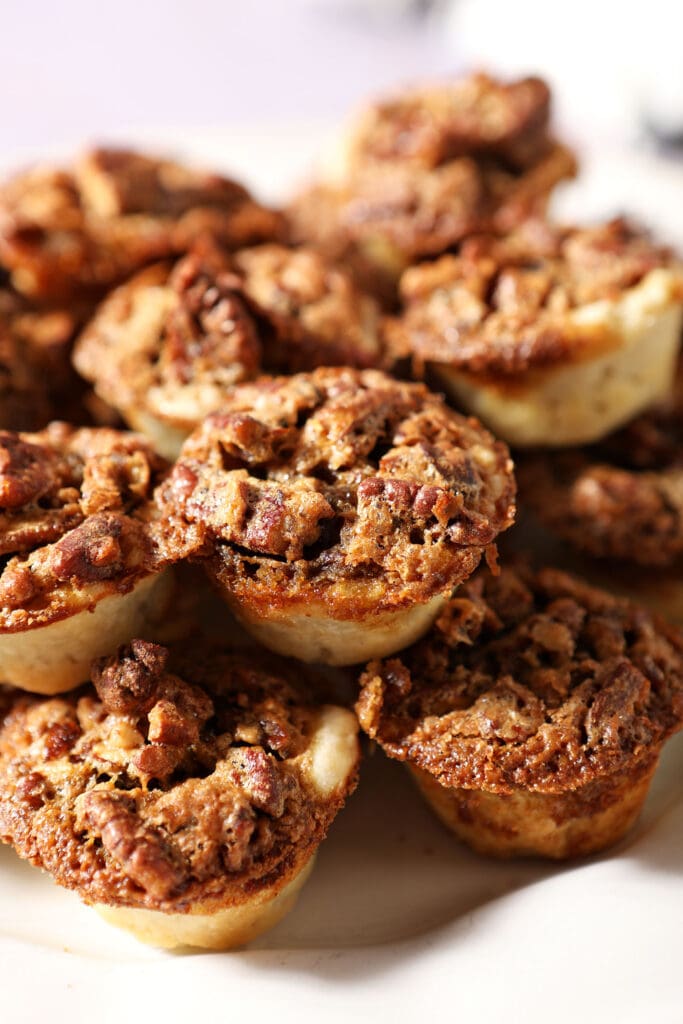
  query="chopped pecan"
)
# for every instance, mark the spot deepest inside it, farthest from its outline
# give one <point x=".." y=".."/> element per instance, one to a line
<point x="128" y="682"/>
<point x="138" y="849"/>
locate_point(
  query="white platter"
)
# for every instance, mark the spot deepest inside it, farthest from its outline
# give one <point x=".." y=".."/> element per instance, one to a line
<point x="398" y="922"/>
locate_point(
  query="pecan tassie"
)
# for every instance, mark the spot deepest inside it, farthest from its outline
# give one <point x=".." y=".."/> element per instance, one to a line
<point x="344" y="485"/>
<point x="534" y="681"/>
<point x="502" y="307"/>
<point x="171" y="340"/>
<point x="175" y="784"/>
<point x="622" y="498"/>
<point x="425" y="170"/>
<point x="74" y="512"/>
<point x="80" y="230"/>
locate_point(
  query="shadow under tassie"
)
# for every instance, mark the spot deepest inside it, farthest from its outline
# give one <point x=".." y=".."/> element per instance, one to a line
<point x="390" y="871"/>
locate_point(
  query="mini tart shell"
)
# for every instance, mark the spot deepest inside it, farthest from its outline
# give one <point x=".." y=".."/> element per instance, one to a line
<point x="82" y="567"/>
<point x="80" y="230"/>
<point x="407" y="526"/>
<point x="221" y="924"/>
<point x="420" y="171"/>
<point x="520" y="747"/>
<point x="626" y="355"/>
<point x="164" y="348"/>
<point x="161" y="861"/>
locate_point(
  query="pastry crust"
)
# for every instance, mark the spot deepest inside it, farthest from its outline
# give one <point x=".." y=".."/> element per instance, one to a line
<point x="80" y="230"/>
<point x="164" y="347"/>
<point x="339" y="496"/>
<point x="187" y="796"/>
<point x="553" y="336"/>
<point x="422" y="171"/>
<point x="537" y="707"/>
<point x="81" y="560"/>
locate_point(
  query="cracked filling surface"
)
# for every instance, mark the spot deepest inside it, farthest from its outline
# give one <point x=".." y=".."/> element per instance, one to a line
<point x="534" y="681"/>
<point x="171" y="785"/>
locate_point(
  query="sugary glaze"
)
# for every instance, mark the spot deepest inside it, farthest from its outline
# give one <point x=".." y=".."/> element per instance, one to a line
<point x="193" y="786"/>
<point x="82" y="229"/>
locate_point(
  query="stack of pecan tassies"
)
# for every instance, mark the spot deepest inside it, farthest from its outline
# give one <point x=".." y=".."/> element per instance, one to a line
<point x="308" y="486"/>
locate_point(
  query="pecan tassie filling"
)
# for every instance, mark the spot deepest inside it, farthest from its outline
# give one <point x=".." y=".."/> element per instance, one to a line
<point x="74" y="513"/>
<point x="65" y="232"/>
<point x="162" y="790"/>
<point x="173" y="338"/>
<point x="622" y="498"/>
<point x="428" y="168"/>
<point x="536" y="681"/>
<point x="503" y="306"/>
<point x="341" y="480"/>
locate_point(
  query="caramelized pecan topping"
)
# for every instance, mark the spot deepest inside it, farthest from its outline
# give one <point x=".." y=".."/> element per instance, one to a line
<point x="532" y="680"/>
<point x="167" y="788"/>
<point x="426" y="169"/>
<point x="342" y="474"/>
<point x="172" y="339"/>
<point x="75" y="231"/>
<point x="73" y="508"/>
<point x="35" y="371"/>
<point x="504" y="306"/>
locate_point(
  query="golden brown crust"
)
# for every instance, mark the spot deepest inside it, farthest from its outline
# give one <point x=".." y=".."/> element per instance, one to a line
<point x="341" y="486"/>
<point x="533" y="681"/>
<point x="432" y="166"/>
<point x="65" y="232"/>
<point x="621" y="498"/>
<point x="502" y="307"/>
<point x="171" y="792"/>
<point x="74" y="506"/>
<point x="173" y="338"/>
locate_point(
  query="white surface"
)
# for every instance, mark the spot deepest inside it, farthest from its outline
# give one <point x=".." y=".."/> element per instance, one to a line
<point x="399" y="922"/>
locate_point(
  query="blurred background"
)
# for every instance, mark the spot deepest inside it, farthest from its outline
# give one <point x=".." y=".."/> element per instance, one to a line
<point x="234" y="81"/>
